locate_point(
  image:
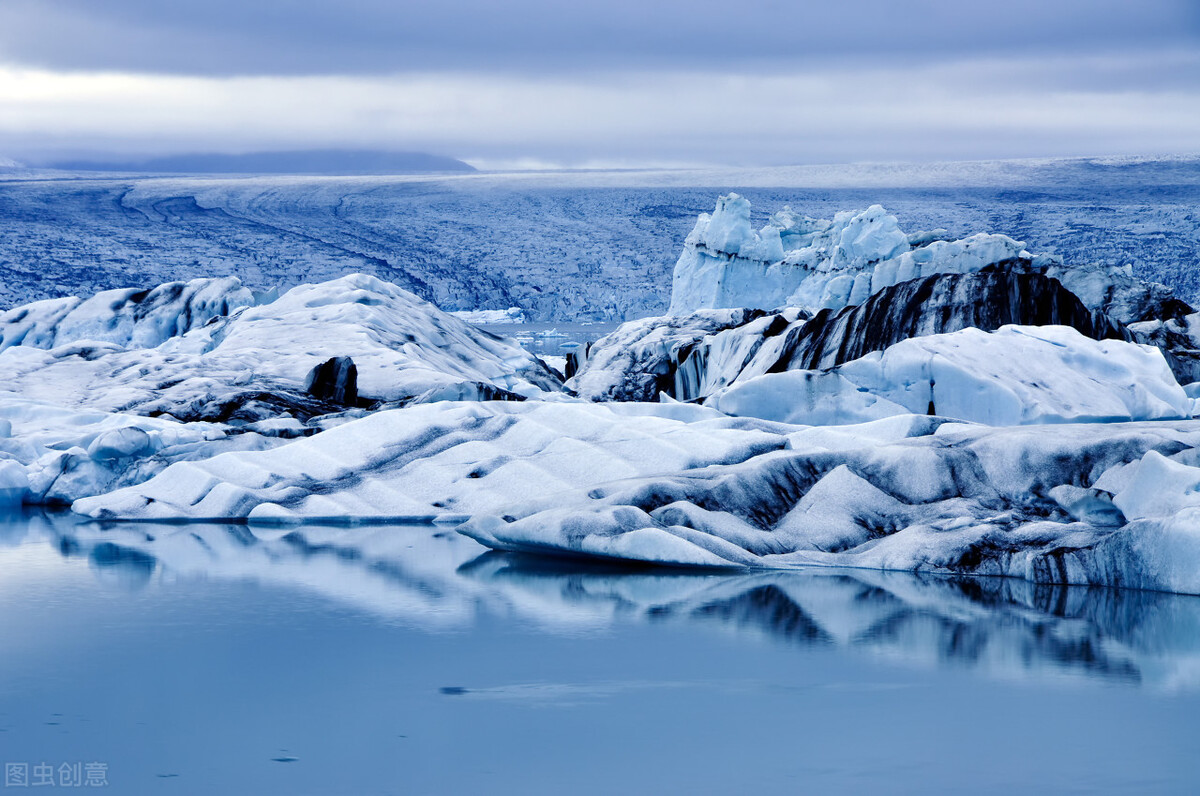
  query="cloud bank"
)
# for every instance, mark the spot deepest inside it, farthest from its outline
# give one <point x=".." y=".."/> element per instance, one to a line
<point x="619" y="83"/>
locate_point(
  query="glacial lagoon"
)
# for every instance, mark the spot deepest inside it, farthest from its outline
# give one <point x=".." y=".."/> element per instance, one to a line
<point x="410" y="660"/>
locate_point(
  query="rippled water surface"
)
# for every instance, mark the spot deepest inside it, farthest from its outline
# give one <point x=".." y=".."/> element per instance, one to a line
<point x="225" y="659"/>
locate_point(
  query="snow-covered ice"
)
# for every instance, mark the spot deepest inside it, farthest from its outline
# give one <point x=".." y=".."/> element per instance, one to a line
<point x="130" y="318"/>
<point x="254" y="363"/>
<point x="961" y="499"/>
<point x="1015" y="375"/>
<point x="442" y="460"/>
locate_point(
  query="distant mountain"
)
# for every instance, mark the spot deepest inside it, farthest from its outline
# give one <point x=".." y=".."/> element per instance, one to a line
<point x="313" y="161"/>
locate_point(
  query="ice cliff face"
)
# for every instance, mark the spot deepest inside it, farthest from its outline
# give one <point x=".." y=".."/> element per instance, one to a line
<point x="818" y="264"/>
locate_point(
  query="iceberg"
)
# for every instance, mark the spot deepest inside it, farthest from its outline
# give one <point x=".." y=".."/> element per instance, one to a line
<point x="51" y="454"/>
<point x="445" y="460"/>
<point x="254" y="363"/>
<point x="107" y="392"/>
<point x="692" y="356"/>
<point x="1179" y="339"/>
<point x="479" y="317"/>
<point x="640" y="359"/>
<point x="958" y="499"/>
<point x="676" y="484"/>
<point x="811" y="263"/>
<point x="823" y="393"/>
<point x="819" y="264"/>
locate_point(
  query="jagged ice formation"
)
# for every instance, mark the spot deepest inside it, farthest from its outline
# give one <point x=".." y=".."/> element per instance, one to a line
<point x="817" y="264"/>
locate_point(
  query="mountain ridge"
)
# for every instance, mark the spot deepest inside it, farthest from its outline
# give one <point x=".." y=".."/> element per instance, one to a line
<point x="341" y="162"/>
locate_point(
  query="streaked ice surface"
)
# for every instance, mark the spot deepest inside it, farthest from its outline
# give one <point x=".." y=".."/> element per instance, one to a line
<point x="406" y="659"/>
<point x="567" y="246"/>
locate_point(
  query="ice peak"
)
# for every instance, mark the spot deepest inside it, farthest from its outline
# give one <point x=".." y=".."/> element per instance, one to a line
<point x="812" y="263"/>
<point x="869" y="236"/>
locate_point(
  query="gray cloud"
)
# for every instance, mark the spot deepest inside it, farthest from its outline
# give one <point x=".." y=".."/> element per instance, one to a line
<point x="236" y="37"/>
<point x="970" y="109"/>
<point x="626" y="82"/>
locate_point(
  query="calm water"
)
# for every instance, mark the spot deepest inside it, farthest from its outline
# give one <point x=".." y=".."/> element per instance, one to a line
<point x="363" y="660"/>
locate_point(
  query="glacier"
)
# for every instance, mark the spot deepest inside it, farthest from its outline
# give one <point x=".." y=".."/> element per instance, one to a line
<point x="837" y="393"/>
<point x="561" y="246"/>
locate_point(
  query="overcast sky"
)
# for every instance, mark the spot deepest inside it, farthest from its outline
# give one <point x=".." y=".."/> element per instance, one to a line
<point x="618" y="82"/>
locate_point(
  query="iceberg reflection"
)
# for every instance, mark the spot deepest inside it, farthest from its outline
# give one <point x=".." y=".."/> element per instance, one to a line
<point x="434" y="578"/>
<point x="1007" y="627"/>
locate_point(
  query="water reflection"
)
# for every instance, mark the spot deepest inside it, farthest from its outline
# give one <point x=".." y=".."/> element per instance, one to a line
<point x="1006" y="627"/>
<point x="433" y="578"/>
